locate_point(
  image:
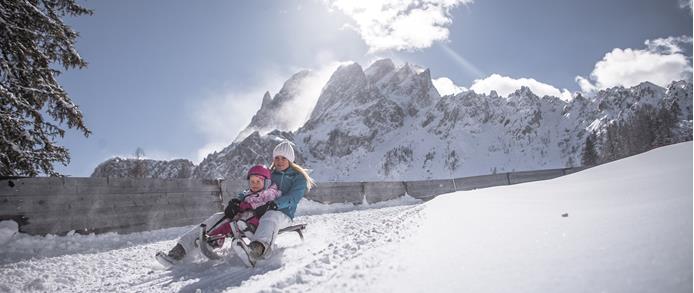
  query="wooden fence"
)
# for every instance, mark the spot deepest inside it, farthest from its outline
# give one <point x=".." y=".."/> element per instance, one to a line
<point x="58" y="205"/>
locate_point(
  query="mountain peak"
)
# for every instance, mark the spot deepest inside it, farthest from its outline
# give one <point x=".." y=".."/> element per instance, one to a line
<point x="347" y="83"/>
<point x="425" y="74"/>
<point x="647" y="84"/>
<point x="291" y="87"/>
<point x="379" y="69"/>
<point x="523" y="92"/>
<point x="266" y="100"/>
<point x="347" y="69"/>
<point x="265" y="118"/>
<point x="683" y="84"/>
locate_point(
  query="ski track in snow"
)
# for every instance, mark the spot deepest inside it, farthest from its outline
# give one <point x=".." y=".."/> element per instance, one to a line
<point x="332" y="243"/>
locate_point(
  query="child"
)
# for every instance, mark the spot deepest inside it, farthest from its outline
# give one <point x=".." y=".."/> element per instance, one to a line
<point x="242" y="214"/>
<point x="248" y="206"/>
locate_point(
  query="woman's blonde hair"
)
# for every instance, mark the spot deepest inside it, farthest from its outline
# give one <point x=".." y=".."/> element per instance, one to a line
<point x="310" y="183"/>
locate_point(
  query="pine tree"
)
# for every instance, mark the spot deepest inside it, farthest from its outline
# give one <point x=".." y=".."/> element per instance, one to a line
<point x="609" y="144"/>
<point x="666" y="121"/>
<point x="590" y="156"/>
<point x="139" y="153"/>
<point x="140" y="168"/>
<point x="33" y="106"/>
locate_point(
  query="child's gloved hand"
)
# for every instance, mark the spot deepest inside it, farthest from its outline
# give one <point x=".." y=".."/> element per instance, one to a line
<point x="243" y="206"/>
<point x="232" y="208"/>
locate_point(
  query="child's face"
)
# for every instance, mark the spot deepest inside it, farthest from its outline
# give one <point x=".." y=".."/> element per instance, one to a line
<point x="256" y="182"/>
<point x="281" y="163"/>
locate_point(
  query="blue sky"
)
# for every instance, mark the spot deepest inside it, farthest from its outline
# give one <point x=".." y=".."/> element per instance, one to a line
<point x="180" y="79"/>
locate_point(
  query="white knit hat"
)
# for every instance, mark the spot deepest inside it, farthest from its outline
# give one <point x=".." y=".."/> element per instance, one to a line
<point x="284" y="149"/>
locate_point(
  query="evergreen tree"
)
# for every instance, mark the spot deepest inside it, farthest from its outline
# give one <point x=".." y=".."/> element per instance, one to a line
<point x="570" y="162"/>
<point x="613" y="146"/>
<point x="139" y="153"/>
<point x="33" y="106"/>
<point x="140" y="167"/>
<point x="666" y="121"/>
<point x="590" y="156"/>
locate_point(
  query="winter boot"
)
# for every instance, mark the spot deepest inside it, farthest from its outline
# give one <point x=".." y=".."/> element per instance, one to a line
<point x="257" y="249"/>
<point x="174" y="256"/>
<point x="217" y="243"/>
<point x="248" y="253"/>
<point x="243" y="252"/>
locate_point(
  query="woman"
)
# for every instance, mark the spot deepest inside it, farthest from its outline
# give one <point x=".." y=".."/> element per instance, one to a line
<point x="294" y="182"/>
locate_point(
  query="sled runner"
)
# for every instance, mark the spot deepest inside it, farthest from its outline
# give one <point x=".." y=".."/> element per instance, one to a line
<point x="210" y="244"/>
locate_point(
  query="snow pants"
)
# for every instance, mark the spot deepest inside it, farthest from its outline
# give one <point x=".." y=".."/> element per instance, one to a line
<point x="270" y="224"/>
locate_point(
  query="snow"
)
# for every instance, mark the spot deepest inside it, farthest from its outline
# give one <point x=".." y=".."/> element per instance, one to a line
<point x="7" y="230"/>
<point x="628" y="229"/>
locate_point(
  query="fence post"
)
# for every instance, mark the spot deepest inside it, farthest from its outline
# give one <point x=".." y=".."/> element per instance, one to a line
<point x="363" y="192"/>
<point x="221" y="193"/>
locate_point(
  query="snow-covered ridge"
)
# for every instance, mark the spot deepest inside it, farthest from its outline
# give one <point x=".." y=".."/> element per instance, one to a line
<point x="144" y="168"/>
<point x="388" y="122"/>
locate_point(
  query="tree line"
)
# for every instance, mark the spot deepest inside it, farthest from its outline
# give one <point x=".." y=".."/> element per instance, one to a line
<point x="648" y="128"/>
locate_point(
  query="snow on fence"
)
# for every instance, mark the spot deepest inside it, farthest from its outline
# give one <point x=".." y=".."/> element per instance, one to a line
<point x="58" y="205"/>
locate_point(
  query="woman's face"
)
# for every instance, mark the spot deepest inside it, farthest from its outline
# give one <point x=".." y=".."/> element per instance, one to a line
<point x="256" y="182"/>
<point x="281" y="163"/>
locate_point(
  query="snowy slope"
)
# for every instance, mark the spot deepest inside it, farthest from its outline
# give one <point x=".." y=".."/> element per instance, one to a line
<point x="628" y="229"/>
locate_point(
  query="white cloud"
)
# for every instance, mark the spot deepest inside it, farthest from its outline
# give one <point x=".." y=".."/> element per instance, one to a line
<point x="299" y="110"/>
<point x="686" y="4"/>
<point x="669" y="45"/>
<point x="398" y="24"/>
<point x="661" y="62"/>
<point x="585" y="84"/>
<point x="222" y="114"/>
<point x="209" y="148"/>
<point x="161" y="155"/>
<point x="504" y="86"/>
<point x="445" y="86"/>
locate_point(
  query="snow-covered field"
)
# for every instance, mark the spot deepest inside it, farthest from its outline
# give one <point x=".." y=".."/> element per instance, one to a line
<point x="620" y="227"/>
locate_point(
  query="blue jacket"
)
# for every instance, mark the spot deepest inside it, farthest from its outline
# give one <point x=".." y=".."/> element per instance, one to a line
<point x="293" y="186"/>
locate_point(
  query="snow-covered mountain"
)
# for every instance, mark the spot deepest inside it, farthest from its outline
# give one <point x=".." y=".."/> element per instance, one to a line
<point x="235" y="160"/>
<point x="389" y="123"/>
<point x="265" y="120"/>
<point x="144" y="168"/>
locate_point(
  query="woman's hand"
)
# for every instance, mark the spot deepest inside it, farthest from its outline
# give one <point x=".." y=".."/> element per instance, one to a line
<point x="270" y="205"/>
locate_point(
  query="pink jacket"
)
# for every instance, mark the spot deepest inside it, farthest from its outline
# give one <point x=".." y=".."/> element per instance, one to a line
<point x="261" y="197"/>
